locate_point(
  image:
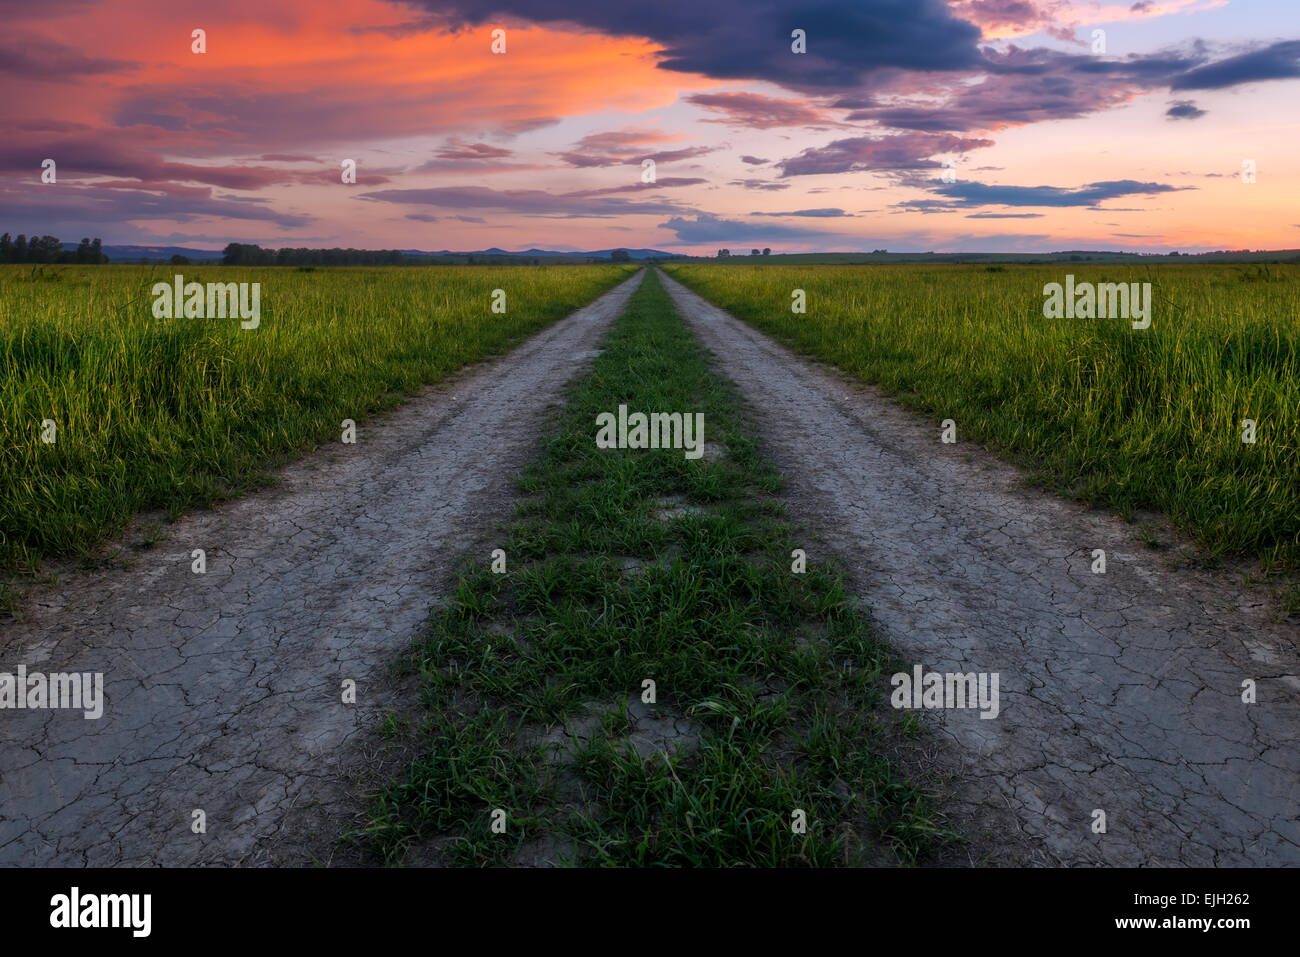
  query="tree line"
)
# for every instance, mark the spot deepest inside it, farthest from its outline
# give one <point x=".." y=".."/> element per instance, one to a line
<point x="49" y="249"/>
<point x="247" y="254"/>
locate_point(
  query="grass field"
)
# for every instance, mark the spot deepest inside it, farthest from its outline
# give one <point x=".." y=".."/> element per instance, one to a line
<point x="1114" y="416"/>
<point x="173" y="413"/>
<point x="625" y="566"/>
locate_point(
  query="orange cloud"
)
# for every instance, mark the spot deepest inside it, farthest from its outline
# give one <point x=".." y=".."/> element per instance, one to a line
<point x="301" y="76"/>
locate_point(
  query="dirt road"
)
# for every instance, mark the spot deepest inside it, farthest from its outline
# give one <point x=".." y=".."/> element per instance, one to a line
<point x="224" y="690"/>
<point x="1120" y="692"/>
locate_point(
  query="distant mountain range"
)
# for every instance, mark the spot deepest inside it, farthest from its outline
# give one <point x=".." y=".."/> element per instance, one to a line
<point x="121" y="254"/>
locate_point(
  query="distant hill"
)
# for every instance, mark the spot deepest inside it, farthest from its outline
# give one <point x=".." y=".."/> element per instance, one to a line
<point x="162" y="254"/>
<point x="129" y="254"/>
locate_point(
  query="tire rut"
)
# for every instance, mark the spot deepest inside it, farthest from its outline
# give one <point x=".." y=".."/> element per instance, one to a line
<point x="1120" y="691"/>
<point x="223" y="690"/>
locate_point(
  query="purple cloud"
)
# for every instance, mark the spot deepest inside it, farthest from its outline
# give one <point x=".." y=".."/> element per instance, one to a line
<point x="904" y="151"/>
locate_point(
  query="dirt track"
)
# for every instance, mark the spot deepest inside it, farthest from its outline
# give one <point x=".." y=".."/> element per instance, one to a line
<point x="1119" y="691"/>
<point x="223" y="690"/>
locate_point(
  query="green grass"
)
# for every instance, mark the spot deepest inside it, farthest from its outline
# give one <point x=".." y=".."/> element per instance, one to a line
<point x="1124" y="418"/>
<point x="627" y="565"/>
<point x="158" y="413"/>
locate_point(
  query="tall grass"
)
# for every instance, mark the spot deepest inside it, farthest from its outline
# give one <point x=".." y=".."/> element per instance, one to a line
<point x="174" y="413"/>
<point x="1112" y="415"/>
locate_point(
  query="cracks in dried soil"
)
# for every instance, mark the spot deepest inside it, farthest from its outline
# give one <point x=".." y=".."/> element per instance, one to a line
<point x="1120" y="691"/>
<point x="223" y="690"/>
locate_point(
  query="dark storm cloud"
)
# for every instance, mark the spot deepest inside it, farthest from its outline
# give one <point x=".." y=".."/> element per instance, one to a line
<point x="741" y="39"/>
<point x="1031" y="86"/>
<point x="1279" y="61"/>
<point x="1007" y="98"/>
<point x="857" y="49"/>
<point x="1154" y="69"/>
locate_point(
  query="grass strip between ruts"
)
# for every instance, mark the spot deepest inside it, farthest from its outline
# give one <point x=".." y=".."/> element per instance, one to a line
<point x="634" y="565"/>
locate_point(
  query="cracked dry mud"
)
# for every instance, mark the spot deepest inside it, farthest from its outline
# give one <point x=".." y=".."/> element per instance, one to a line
<point x="223" y="690"/>
<point x="1119" y="691"/>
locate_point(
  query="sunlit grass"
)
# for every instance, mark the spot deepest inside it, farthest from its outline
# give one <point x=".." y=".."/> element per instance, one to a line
<point x="173" y="413"/>
<point x="1115" y="416"/>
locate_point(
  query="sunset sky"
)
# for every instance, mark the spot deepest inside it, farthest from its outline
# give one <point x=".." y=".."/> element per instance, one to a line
<point x="1053" y="146"/>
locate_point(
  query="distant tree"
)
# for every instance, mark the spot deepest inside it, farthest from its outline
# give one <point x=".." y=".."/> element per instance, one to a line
<point x="620" y="256"/>
<point x="247" y="254"/>
<point x="754" y="252"/>
<point x="48" y="249"/>
<point x="44" y="249"/>
<point x="767" y="251"/>
<point x="724" y="253"/>
<point x="179" y="260"/>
